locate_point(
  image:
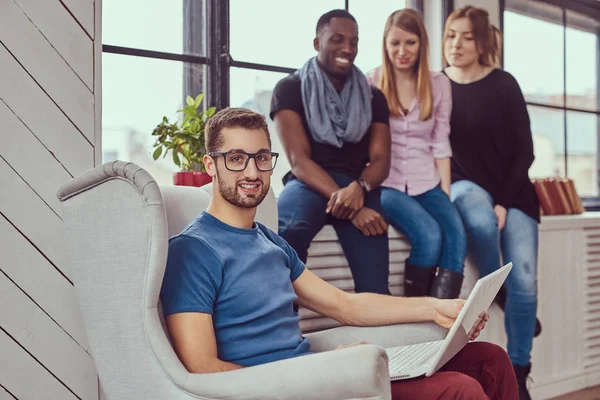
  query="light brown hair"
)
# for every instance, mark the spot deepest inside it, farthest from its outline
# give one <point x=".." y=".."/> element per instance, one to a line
<point x="498" y="38"/>
<point x="232" y="118"/>
<point x="487" y="36"/>
<point x="410" y="21"/>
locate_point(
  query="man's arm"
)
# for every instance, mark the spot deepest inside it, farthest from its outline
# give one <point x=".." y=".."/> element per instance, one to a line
<point x="193" y="338"/>
<point x="368" y="309"/>
<point x="368" y="221"/>
<point x="297" y="148"/>
<point x="374" y="174"/>
<point x="379" y="155"/>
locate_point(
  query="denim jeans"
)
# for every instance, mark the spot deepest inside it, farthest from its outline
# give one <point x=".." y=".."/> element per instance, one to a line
<point x="516" y="243"/>
<point x="302" y="215"/>
<point x="433" y="227"/>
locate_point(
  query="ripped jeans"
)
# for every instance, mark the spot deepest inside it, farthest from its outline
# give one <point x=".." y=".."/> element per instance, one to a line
<point x="488" y="248"/>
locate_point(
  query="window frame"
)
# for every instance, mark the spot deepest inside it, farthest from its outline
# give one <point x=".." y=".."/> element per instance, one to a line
<point x="218" y="59"/>
<point x="590" y="9"/>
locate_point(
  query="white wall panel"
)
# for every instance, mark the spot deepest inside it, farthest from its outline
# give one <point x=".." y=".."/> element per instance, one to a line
<point x="38" y="112"/>
<point x="24" y="377"/>
<point x="48" y="68"/>
<point x="64" y="33"/>
<point x="84" y="13"/>
<point x="50" y="83"/>
<point x="50" y="290"/>
<point x="4" y="395"/>
<point x="23" y="320"/>
<point x="41" y="225"/>
<point x="26" y="154"/>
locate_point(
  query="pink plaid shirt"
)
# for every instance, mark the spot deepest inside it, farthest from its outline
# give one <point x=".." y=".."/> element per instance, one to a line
<point x="416" y="144"/>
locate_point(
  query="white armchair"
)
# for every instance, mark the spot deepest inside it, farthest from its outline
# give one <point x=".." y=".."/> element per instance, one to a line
<point x="117" y="224"/>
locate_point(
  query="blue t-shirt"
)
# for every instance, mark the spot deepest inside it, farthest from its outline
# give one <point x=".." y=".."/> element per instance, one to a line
<point x="243" y="278"/>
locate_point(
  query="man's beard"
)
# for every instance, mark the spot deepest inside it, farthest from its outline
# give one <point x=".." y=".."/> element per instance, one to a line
<point x="231" y="194"/>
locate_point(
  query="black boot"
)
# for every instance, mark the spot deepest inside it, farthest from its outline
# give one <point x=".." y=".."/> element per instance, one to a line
<point x="501" y="301"/>
<point x="522" y="372"/>
<point x="446" y="284"/>
<point x="417" y="280"/>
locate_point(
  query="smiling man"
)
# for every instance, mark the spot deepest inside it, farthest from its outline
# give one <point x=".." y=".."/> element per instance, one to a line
<point x="230" y="283"/>
<point x="334" y="129"/>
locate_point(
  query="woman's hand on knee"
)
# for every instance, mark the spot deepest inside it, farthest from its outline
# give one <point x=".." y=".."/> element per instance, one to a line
<point x="501" y="214"/>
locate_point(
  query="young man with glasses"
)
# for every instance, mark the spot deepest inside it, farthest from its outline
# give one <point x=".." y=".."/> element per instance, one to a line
<point x="334" y="128"/>
<point x="230" y="283"/>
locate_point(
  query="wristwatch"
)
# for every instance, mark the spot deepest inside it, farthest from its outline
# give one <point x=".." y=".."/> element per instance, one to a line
<point x="364" y="185"/>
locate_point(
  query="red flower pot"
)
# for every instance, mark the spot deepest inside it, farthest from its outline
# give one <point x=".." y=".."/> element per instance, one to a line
<point x="191" y="178"/>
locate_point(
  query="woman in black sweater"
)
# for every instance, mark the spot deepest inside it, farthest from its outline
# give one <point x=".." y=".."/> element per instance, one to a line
<point x="492" y="152"/>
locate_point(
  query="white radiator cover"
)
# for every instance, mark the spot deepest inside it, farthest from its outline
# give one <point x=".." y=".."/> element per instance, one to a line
<point x="566" y="356"/>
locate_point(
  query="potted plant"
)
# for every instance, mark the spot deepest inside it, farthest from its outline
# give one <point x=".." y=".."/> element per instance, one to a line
<point x="185" y="141"/>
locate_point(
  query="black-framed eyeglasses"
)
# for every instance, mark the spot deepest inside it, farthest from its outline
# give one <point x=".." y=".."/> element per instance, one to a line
<point x="238" y="160"/>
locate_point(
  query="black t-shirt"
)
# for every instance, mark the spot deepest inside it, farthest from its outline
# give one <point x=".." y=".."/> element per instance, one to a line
<point x="491" y="140"/>
<point x="351" y="158"/>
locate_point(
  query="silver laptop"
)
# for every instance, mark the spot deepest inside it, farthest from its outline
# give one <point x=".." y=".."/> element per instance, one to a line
<point x="424" y="359"/>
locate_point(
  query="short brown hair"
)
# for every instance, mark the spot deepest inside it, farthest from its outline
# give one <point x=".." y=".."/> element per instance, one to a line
<point x="232" y="118"/>
<point x="485" y="35"/>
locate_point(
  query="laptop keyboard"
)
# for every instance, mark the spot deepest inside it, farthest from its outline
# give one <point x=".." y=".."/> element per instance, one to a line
<point x="405" y="358"/>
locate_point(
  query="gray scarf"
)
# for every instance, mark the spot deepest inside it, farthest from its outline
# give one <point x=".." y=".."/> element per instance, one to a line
<point x="335" y="118"/>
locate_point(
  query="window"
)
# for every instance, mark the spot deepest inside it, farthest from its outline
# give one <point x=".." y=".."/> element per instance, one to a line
<point x="137" y="92"/>
<point x="371" y="22"/>
<point x="235" y="51"/>
<point x="153" y="58"/>
<point x="560" y="84"/>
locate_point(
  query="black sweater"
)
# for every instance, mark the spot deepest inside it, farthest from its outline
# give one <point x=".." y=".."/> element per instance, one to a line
<point x="491" y="140"/>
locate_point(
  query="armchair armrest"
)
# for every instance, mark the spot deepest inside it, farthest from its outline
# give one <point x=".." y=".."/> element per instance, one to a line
<point x="359" y="372"/>
<point x="385" y="336"/>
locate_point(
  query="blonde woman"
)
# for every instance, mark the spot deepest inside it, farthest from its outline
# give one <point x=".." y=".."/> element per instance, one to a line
<point x="415" y="196"/>
<point x="492" y="152"/>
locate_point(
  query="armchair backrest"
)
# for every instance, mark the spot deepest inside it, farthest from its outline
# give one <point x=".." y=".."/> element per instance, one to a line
<point x="117" y="234"/>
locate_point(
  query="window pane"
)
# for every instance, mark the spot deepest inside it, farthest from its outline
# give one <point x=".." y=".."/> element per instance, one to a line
<point x="371" y="21"/>
<point x="582" y="148"/>
<point x="547" y="127"/>
<point x="540" y="73"/>
<point x="134" y="102"/>
<point x="285" y="35"/>
<point x="155" y="25"/>
<point x="582" y="62"/>
<point x="252" y="89"/>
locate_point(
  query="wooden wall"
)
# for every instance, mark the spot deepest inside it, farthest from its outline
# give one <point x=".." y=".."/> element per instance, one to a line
<point x="49" y="132"/>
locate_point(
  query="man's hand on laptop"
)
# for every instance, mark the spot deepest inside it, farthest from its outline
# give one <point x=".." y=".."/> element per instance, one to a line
<point x="446" y="312"/>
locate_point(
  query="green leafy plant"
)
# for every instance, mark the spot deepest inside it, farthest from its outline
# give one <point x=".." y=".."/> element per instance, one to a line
<point x="185" y="141"/>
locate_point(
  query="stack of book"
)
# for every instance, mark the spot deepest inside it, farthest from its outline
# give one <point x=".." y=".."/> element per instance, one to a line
<point x="558" y="196"/>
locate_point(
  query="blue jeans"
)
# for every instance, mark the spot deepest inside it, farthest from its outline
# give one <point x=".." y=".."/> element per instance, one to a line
<point x="518" y="242"/>
<point x="432" y="225"/>
<point x="302" y="215"/>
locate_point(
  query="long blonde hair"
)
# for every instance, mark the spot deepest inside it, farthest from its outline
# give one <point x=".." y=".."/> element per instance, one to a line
<point x="410" y="21"/>
<point x="488" y="38"/>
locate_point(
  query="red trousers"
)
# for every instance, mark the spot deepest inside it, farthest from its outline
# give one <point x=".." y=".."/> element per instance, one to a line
<point x="480" y="370"/>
